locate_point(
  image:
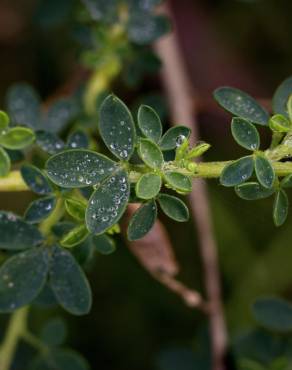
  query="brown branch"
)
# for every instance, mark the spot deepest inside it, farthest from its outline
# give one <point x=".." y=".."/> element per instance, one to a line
<point x="181" y="102"/>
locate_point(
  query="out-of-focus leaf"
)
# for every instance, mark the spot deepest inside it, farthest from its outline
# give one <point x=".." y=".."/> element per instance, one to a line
<point x="74" y="236"/>
<point x="280" y="209"/>
<point x="40" y="209"/>
<point x="49" y="142"/>
<point x="4" y="163"/>
<point x="281" y="96"/>
<point x="54" y="332"/>
<point x="78" y="140"/>
<point x="60" y="360"/>
<point x="104" y="244"/>
<point x="17" y="138"/>
<point x="36" y="180"/>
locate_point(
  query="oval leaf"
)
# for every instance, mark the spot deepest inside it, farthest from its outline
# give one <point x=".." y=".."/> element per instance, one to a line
<point x="245" y="134"/>
<point x="264" y="171"/>
<point x="17" y="234"/>
<point x="173" y="207"/>
<point x="22" y="277"/>
<point x="75" y="236"/>
<point x="237" y="172"/>
<point x="148" y="186"/>
<point x="75" y="208"/>
<point x="241" y="104"/>
<point x="40" y="209"/>
<point x="173" y="137"/>
<point x="281" y="97"/>
<point x="17" y="138"/>
<point x="4" y="163"/>
<point x="149" y="123"/>
<point x="49" y="142"/>
<point x="150" y="153"/>
<point x="51" y="327"/>
<point x="59" y="115"/>
<point x="76" y="168"/>
<point x="36" y="180"/>
<point x="78" y="140"/>
<point x="69" y="283"/>
<point x="142" y="221"/>
<point x="280" y="123"/>
<point x="4" y="121"/>
<point x="117" y="127"/>
<point x="108" y="203"/>
<point x="273" y="313"/>
<point x="253" y="191"/>
<point x="178" y="181"/>
<point x="103" y="244"/>
<point x="280" y="209"/>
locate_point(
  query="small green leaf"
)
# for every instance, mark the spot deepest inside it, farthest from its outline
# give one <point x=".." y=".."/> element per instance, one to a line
<point x="150" y="153"/>
<point x="4" y="163"/>
<point x="287" y="182"/>
<point x="173" y="137"/>
<point x="280" y="209"/>
<point x="108" y="203"/>
<point x="22" y="277"/>
<point x="60" y="359"/>
<point x="198" y="150"/>
<point x="4" y="121"/>
<point x="241" y="105"/>
<point x="173" y="207"/>
<point x="49" y="142"/>
<point x="274" y="314"/>
<point x="74" y="236"/>
<point x="17" y="234"/>
<point x="117" y="127"/>
<point x="149" y="123"/>
<point x="40" y="209"/>
<point x="142" y="220"/>
<point x="245" y="134"/>
<point x="237" y="171"/>
<point x="78" y="140"/>
<point x="36" y="180"/>
<point x="51" y="327"/>
<point x="178" y="181"/>
<point x="280" y="123"/>
<point x="69" y="282"/>
<point x="75" y="208"/>
<point x="281" y="97"/>
<point x="17" y="138"/>
<point x="103" y="244"/>
<point x="79" y="168"/>
<point x="264" y="171"/>
<point x="148" y="186"/>
<point x="253" y="191"/>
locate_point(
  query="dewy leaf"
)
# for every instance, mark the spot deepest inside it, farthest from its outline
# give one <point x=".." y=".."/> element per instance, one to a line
<point x="280" y="123"/>
<point x="274" y="314"/>
<point x="148" y="186"/>
<point x="22" y="277"/>
<point x="142" y="220"/>
<point x="51" y="327"/>
<point x="117" y="127"/>
<point x="23" y="105"/>
<point x="17" y="234"/>
<point x="74" y="236"/>
<point x="108" y="203"/>
<point x="241" y="104"/>
<point x="178" y="181"/>
<point x="36" y="180"/>
<point x="4" y="163"/>
<point x="40" y="209"/>
<point x="79" y="168"/>
<point x="264" y="171"/>
<point x="4" y="121"/>
<point x="150" y="153"/>
<point x="75" y="208"/>
<point x="59" y="115"/>
<point x="174" y="135"/>
<point x="60" y="359"/>
<point x="69" y="283"/>
<point x="245" y="134"/>
<point x="287" y="182"/>
<point x="281" y="96"/>
<point x="17" y="138"/>
<point x="103" y="244"/>
<point x="49" y="142"/>
<point x="78" y="140"/>
<point x="253" y="191"/>
<point x="173" y="207"/>
<point x="280" y="209"/>
<point x="149" y="123"/>
<point x="237" y="171"/>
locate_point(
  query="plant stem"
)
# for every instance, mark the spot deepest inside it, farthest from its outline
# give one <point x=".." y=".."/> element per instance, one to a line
<point x="16" y="328"/>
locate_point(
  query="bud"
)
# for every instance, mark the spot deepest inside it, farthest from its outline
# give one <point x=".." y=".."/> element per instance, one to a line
<point x="198" y="150"/>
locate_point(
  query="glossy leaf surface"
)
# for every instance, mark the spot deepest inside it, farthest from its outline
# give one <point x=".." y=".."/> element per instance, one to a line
<point x="173" y="137"/>
<point x="253" y="191"/>
<point x="237" y="171"/>
<point x="150" y="153"/>
<point x="178" y="181"/>
<point x="173" y="207"/>
<point x="264" y="171"/>
<point x="245" y="134"/>
<point x="149" y="123"/>
<point x="142" y="220"/>
<point x="148" y="186"/>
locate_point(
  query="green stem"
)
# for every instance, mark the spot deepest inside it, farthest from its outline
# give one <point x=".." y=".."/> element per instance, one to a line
<point x="16" y="328"/>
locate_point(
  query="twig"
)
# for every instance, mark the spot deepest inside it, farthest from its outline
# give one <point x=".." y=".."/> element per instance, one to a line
<point x="180" y="97"/>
